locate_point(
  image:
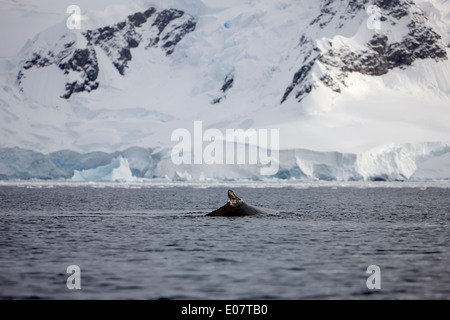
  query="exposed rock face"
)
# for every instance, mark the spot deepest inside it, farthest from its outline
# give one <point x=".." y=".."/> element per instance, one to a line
<point x="149" y="28"/>
<point x="325" y="55"/>
<point x="227" y="85"/>
<point x="154" y="29"/>
<point x="381" y="53"/>
<point x="77" y="63"/>
<point x="83" y="61"/>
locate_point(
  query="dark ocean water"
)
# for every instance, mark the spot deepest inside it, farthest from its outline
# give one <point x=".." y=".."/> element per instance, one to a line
<point x="151" y="243"/>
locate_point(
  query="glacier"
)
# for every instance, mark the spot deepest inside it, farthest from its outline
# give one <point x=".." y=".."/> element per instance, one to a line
<point x="117" y="171"/>
<point x="351" y="103"/>
<point x="393" y="162"/>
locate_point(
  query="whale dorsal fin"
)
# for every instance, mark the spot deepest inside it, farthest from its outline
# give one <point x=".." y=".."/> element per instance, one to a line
<point x="235" y="201"/>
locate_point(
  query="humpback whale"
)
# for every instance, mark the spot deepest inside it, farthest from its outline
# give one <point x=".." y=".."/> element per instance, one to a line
<point x="237" y="207"/>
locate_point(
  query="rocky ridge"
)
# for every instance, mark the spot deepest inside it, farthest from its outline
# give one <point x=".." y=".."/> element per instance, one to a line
<point x="381" y="53"/>
<point x="162" y="29"/>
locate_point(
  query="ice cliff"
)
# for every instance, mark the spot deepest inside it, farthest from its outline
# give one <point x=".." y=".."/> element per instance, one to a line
<point x="406" y="162"/>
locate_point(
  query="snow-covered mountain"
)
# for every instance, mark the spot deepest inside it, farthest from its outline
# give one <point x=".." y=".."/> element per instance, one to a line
<point x="364" y="85"/>
<point x="76" y="54"/>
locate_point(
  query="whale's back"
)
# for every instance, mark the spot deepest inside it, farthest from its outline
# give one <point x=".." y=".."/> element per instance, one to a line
<point x="237" y="207"/>
<point x="242" y="210"/>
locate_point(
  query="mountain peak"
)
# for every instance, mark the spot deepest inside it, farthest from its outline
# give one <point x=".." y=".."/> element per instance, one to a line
<point x="77" y="60"/>
<point x="350" y="43"/>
